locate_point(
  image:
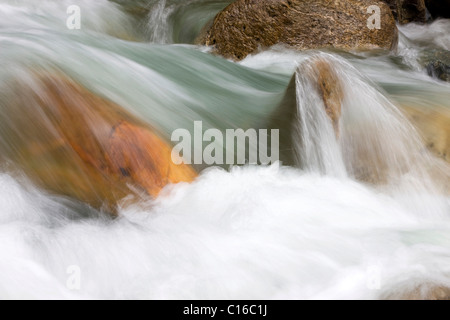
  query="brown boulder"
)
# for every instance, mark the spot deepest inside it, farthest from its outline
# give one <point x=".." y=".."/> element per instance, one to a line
<point x="321" y="72"/>
<point x="393" y="5"/>
<point x="331" y="90"/>
<point x="246" y="25"/>
<point x="71" y="142"/>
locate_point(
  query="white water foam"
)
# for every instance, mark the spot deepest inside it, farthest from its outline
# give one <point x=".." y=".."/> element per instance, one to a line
<point x="159" y="27"/>
<point x="254" y="233"/>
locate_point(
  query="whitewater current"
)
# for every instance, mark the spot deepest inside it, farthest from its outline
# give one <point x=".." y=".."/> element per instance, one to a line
<point x="311" y="231"/>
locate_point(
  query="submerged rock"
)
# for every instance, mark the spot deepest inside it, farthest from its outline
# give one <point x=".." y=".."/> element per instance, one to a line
<point x="434" y="127"/>
<point x="437" y="64"/>
<point x="71" y="142"/>
<point x="426" y="291"/>
<point x="246" y="25"/>
<point x="440" y="70"/>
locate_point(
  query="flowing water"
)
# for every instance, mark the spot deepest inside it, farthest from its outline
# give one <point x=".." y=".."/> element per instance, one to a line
<point x="361" y="215"/>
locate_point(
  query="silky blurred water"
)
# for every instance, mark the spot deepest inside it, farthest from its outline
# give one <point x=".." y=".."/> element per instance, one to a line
<point x="316" y="230"/>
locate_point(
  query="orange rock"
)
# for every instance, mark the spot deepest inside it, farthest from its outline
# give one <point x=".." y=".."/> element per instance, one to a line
<point x="72" y="142"/>
<point x="329" y="86"/>
<point x="147" y="168"/>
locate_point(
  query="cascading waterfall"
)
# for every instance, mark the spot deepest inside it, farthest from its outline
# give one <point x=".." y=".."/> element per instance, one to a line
<point x="159" y="27"/>
<point x="316" y="144"/>
<point x="375" y="143"/>
<point x="364" y="214"/>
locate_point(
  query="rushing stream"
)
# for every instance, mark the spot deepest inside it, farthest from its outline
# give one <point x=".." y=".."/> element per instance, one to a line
<point x="362" y="216"/>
